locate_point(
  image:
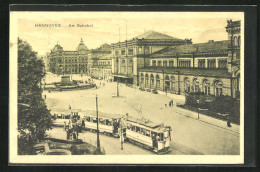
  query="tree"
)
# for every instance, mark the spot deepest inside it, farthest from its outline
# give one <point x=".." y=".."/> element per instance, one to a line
<point x="33" y="116"/>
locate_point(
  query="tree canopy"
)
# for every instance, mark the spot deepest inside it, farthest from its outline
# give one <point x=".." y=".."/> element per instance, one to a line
<point x="33" y="116"/>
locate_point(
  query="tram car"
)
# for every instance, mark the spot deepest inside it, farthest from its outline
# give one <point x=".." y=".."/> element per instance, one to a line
<point x="109" y="124"/>
<point x="62" y="116"/>
<point x="147" y="134"/>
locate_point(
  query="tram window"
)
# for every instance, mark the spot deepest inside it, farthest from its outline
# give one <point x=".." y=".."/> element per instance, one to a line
<point x="147" y="133"/>
<point x="129" y="126"/>
<point x="95" y="120"/>
<point x="133" y="128"/>
<point x="161" y="136"/>
<point x="138" y="129"/>
<point x="109" y="122"/>
<point x="143" y="131"/>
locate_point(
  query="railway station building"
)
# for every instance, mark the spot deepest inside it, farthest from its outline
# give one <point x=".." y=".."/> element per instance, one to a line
<point x="211" y="67"/>
<point x="132" y="55"/>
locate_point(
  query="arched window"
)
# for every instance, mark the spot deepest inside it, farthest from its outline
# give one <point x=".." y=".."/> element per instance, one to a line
<point x="167" y="77"/>
<point x="238" y="41"/>
<point x="235" y="41"/>
<point x="206" y="86"/>
<point x="187" y="85"/>
<point x="172" y="83"/>
<point x="218" y="88"/>
<point x="157" y="81"/>
<point x="151" y="80"/>
<point x="146" y="79"/>
<point x="195" y="85"/>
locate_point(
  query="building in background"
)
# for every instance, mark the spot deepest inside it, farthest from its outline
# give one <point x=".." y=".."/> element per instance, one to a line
<point x="132" y="55"/>
<point x="68" y="62"/>
<point x="100" y="62"/>
<point x="212" y="67"/>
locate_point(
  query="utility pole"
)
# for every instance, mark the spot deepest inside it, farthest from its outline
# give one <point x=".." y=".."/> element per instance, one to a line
<point x="98" y="141"/>
<point x="122" y="136"/>
<point x="118" y="64"/>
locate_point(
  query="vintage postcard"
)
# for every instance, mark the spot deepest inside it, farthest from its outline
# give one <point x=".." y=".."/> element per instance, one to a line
<point x="126" y="87"/>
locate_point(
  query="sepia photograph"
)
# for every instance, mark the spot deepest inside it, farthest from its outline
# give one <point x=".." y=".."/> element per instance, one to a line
<point x="126" y="87"/>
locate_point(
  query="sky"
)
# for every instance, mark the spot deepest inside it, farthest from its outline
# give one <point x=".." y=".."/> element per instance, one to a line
<point x="199" y="27"/>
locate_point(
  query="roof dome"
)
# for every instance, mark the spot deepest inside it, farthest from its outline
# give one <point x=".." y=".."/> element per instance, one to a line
<point x="82" y="46"/>
<point x="57" y="48"/>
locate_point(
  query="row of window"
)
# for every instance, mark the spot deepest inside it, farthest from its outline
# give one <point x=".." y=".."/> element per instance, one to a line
<point x="104" y="63"/>
<point x="236" y="41"/>
<point x="83" y="65"/>
<point x="130" y="52"/>
<point x="145" y="132"/>
<point x="108" y="122"/>
<point x="211" y="63"/>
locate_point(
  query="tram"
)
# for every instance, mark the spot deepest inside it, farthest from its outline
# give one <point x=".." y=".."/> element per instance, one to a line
<point x="109" y="124"/>
<point x="148" y="135"/>
<point x="62" y="115"/>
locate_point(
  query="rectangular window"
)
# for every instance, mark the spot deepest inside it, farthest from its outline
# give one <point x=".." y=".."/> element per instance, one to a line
<point x="153" y="63"/>
<point x="164" y="63"/>
<point x="159" y="63"/>
<point x="130" y="51"/>
<point x="123" y="52"/>
<point x="116" y="52"/>
<point x="152" y="82"/>
<point x="201" y="63"/>
<point x="157" y="83"/>
<point x="171" y="63"/>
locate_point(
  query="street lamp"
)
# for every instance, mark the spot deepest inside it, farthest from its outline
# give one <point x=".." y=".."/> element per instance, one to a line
<point x="198" y="102"/>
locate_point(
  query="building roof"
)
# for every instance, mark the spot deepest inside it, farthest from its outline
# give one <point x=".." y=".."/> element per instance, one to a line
<point x="209" y="47"/>
<point x="154" y="35"/>
<point x="144" y="122"/>
<point x="82" y="46"/>
<point x="103" y="48"/>
<point x="57" y="48"/>
<point x="207" y="72"/>
<point x="64" y="110"/>
<point x="100" y="114"/>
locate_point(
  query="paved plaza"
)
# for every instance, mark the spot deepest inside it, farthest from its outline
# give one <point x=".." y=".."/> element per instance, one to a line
<point x="189" y="136"/>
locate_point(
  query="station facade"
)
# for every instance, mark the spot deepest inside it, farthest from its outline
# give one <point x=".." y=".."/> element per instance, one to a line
<point x="132" y="55"/>
<point x="212" y="67"/>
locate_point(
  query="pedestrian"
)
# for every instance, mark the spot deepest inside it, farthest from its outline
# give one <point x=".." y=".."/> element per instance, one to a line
<point x="49" y="91"/>
<point x="170" y="105"/>
<point x="165" y="105"/>
<point x="45" y="97"/>
<point x="228" y="122"/>
<point x="69" y="107"/>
